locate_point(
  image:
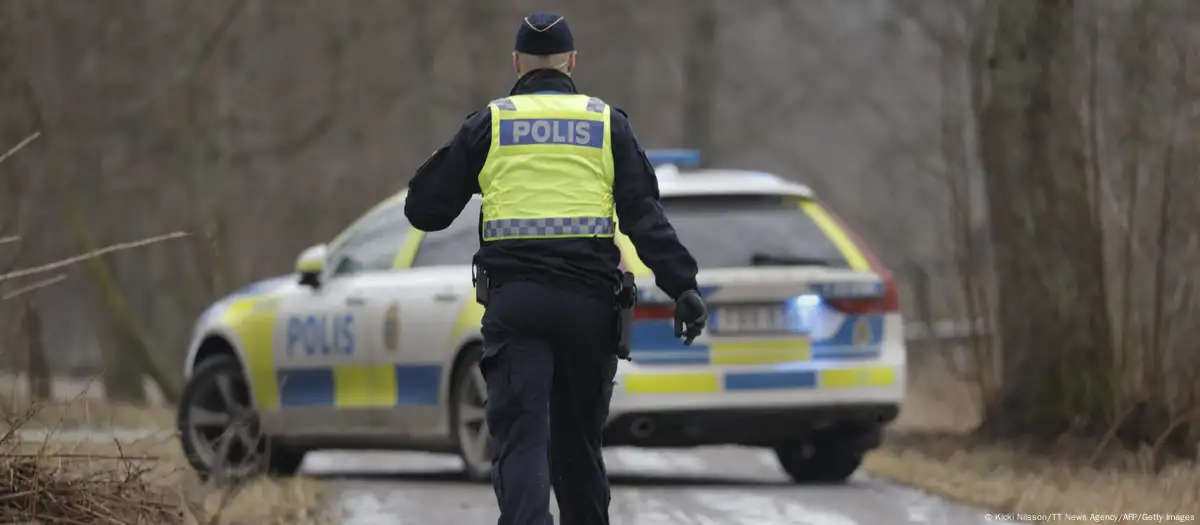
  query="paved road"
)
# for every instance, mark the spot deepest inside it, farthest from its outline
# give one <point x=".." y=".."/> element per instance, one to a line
<point x="717" y="486"/>
<point x="720" y="486"/>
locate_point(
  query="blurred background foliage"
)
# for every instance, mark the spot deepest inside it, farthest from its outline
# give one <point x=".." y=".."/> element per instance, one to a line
<point x="1027" y="164"/>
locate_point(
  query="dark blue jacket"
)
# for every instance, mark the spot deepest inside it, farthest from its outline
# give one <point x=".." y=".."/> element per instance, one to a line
<point x="443" y="186"/>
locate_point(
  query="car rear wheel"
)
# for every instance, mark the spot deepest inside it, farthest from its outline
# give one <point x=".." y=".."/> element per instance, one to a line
<point x="825" y="458"/>
<point x="468" y="398"/>
<point x="219" y="428"/>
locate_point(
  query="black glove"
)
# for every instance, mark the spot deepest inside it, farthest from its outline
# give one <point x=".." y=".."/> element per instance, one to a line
<point x="690" y="316"/>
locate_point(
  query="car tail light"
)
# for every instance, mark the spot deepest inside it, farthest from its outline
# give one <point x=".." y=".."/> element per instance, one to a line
<point x="889" y="303"/>
<point x="654" y="311"/>
<point x="649" y="312"/>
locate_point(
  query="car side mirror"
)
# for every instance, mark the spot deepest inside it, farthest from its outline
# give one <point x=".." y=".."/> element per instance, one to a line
<point x="310" y="264"/>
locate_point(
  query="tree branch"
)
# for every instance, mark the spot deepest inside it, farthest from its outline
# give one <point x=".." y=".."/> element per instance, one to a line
<point x="90" y="255"/>
<point x="20" y="145"/>
<point x="206" y="53"/>
<point x="33" y="287"/>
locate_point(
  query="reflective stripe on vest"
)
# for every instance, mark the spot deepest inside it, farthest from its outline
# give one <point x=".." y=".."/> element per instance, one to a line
<point x="548" y="227"/>
<point x="549" y="170"/>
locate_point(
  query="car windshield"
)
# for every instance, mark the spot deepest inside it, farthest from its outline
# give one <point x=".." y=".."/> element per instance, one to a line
<point x="736" y="231"/>
<point x="455" y="245"/>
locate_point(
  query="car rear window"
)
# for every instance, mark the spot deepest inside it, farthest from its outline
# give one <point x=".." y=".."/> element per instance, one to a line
<point x="728" y="231"/>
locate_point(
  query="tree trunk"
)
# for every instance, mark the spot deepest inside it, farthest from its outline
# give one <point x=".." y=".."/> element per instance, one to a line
<point x="38" y="370"/>
<point x="1052" y="317"/>
<point x="122" y="370"/>
<point x="134" y="346"/>
<point x="700" y="77"/>
<point x="479" y="19"/>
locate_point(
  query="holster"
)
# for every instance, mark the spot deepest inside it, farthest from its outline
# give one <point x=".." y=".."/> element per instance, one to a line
<point x="625" y="303"/>
<point x="483" y="285"/>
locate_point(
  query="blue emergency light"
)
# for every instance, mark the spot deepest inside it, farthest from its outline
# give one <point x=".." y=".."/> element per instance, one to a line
<point x="687" y="158"/>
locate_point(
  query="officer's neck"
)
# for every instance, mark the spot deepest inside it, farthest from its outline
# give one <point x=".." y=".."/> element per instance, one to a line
<point x="544" y="80"/>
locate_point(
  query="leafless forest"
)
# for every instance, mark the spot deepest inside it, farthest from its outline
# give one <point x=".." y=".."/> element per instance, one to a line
<point x="1030" y="164"/>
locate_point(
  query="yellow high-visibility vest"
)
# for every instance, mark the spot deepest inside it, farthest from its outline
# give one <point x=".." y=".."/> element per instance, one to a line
<point x="549" y="171"/>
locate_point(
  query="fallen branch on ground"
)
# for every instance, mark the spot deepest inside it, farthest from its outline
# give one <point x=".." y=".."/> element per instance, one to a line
<point x="51" y="489"/>
<point x="68" y="487"/>
<point x="90" y="255"/>
<point x="53" y="479"/>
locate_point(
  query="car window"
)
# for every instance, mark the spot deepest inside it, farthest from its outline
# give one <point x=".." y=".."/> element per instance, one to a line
<point x="372" y="243"/>
<point x="728" y="231"/>
<point x="455" y="245"/>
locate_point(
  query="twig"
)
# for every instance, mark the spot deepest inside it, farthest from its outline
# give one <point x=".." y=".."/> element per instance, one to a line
<point x="20" y="145"/>
<point x="90" y="255"/>
<point x="33" y="287"/>
<point x="1111" y="434"/>
<point x="78" y="455"/>
<point x="1156" y="449"/>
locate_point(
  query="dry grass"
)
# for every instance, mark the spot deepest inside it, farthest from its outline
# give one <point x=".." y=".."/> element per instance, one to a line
<point x="930" y="448"/>
<point x="136" y="482"/>
<point x="80" y="403"/>
<point x="90" y="413"/>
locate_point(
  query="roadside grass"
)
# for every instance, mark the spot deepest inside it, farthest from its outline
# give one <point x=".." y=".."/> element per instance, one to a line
<point x="79" y="403"/>
<point x="93" y="414"/>
<point x="51" y="479"/>
<point x="931" y="448"/>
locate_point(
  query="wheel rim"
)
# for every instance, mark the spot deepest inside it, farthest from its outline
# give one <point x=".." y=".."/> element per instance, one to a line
<point x="474" y="440"/>
<point x="224" y="427"/>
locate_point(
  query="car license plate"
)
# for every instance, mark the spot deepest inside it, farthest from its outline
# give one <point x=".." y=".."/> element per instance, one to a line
<point x="752" y="319"/>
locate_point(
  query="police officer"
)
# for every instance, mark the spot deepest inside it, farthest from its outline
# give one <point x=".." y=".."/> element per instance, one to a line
<point x="555" y="169"/>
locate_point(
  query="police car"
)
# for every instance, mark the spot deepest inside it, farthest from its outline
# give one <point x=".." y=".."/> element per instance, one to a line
<point x="373" y="342"/>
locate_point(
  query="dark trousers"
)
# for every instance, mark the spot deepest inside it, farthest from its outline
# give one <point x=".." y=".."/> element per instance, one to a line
<point x="549" y="365"/>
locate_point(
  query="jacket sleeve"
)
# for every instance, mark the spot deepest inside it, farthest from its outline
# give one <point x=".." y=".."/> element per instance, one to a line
<point x="443" y="186"/>
<point x="635" y="193"/>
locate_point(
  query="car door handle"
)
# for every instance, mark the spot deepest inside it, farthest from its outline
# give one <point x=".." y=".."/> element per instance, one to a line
<point x="445" y="297"/>
<point x="355" y="301"/>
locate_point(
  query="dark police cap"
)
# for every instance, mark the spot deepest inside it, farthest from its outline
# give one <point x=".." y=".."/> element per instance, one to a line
<point x="544" y="34"/>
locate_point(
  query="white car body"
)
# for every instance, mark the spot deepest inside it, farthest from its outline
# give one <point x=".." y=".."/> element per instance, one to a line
<point x="365" y="360"/>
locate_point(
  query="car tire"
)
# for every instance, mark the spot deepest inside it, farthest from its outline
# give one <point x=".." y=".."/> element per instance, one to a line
<point x="468" y="396"/>
<point x="826" y="458"/>
<point x="283" y="461"/>
<point x="203" y="399"/>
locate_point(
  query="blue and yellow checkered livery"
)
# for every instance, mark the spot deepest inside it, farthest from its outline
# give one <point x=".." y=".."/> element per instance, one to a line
<point x="844" y="357"/>
<point x="733" y="364"/>
<point x="360" y="386"/>
<point x="857" y="337"/>
<point x="252" y="319"/>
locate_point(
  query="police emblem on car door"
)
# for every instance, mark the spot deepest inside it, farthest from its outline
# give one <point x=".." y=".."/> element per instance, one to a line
<point x="391" y="327"/>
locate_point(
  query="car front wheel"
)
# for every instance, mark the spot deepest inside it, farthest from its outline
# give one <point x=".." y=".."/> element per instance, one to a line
<point x="219" y="427"/>
<point x="468" y="398"/>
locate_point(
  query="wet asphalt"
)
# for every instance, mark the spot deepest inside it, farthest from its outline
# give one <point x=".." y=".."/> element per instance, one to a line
<point x="717" y="486"/>
<point x="709" y="486"/>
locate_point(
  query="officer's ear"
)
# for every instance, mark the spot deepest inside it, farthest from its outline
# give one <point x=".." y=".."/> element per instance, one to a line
<point x="516" y="63"/>
<point x="571" y="63"/>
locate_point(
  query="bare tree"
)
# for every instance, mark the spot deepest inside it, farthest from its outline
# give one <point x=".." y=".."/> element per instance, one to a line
<point x="1052" y="319"/>
<point x="700" y="75"/>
